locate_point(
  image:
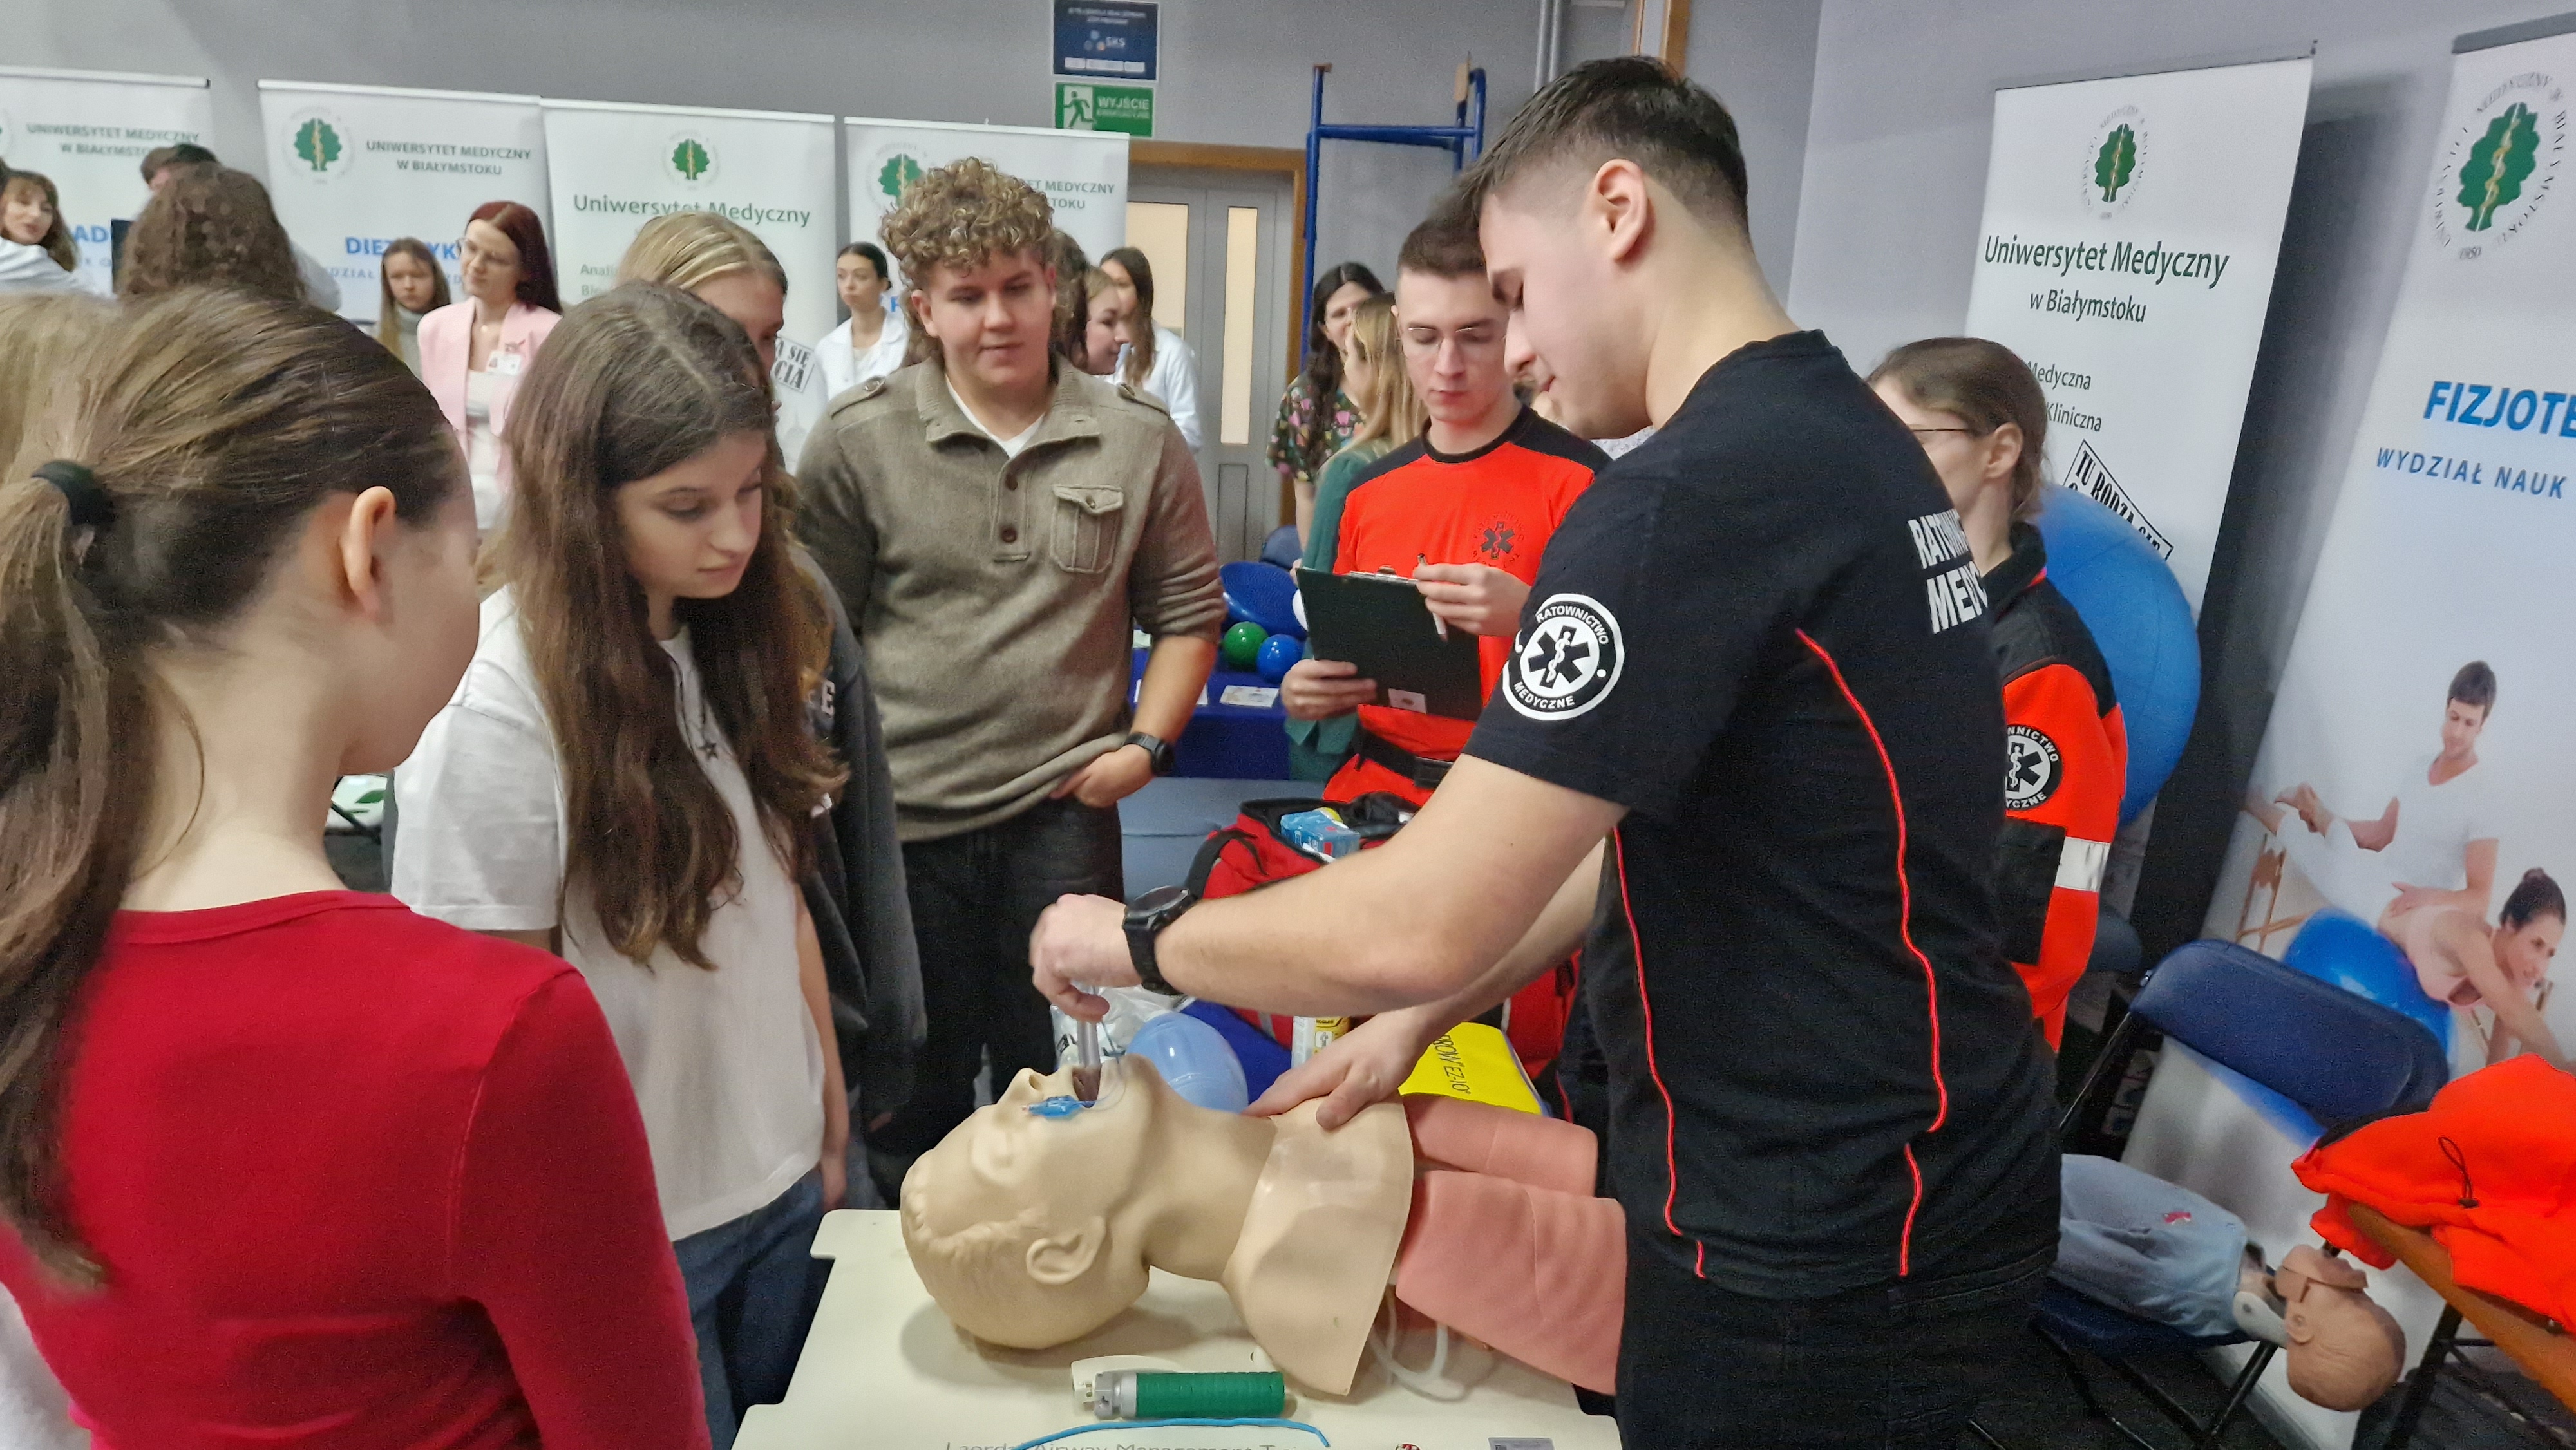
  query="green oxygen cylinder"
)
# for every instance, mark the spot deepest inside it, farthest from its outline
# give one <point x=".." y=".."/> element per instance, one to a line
<point x="1130" y="1394"/>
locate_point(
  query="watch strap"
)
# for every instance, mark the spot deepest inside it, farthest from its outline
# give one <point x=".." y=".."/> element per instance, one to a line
<point x="1157" y="749"/>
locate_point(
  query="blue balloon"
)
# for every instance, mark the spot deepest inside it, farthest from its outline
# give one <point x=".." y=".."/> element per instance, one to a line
<point x="1195" y="1059"/>
<point x="2142" y="624"/>
<point x="2341" y="948"/>
<point x="1278" y="653"/>
<point x="1265" y="594"/>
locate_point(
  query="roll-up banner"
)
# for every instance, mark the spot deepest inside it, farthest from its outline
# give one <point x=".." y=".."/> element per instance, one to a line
<point x="614" y="167"/>
<point x="1083" y="173"/>
<point x="2409" y="832"/>
<point x="88" y="132"/>
<point x="354" y="167"/>
<point x="2130" y="232"/>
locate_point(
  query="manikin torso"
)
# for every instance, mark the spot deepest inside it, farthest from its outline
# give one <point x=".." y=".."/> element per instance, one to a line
<point x="1032" y="1229"/>
<point x="1319" y="1239"/>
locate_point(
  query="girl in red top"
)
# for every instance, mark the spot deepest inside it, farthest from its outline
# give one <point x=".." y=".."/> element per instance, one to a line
<point x="284" y="1164"/>
<point x="1982" y="418"/>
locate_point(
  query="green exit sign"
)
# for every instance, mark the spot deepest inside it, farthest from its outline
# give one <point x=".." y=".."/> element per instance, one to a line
<point x="1091" y="106"/>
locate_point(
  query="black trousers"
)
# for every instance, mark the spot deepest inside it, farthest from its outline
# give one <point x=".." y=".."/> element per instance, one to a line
<point x="975" y="899"/>
<point x="1899" y="1365"/>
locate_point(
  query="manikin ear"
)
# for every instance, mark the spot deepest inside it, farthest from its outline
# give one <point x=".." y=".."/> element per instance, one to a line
<point x="366" y="534"/>
<point x="1618" y="209"/>
<point x="1060" y="1259"/>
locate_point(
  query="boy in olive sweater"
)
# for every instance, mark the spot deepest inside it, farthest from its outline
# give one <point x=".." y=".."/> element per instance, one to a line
<point x="997" y="522"/>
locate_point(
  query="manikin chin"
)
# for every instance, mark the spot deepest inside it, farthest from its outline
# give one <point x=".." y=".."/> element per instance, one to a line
<point x="1032" y="1229"/>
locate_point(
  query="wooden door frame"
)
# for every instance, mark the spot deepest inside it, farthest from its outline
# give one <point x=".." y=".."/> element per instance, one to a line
<point x="1287" y="161"/>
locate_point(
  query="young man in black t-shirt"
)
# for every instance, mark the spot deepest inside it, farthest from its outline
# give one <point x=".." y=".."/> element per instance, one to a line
<point x="1746" y="752"/>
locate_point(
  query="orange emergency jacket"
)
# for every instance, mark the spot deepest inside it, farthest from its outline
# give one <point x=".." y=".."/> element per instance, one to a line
<point x="2066" y="762"/>
<point x="2489" y="1170"/>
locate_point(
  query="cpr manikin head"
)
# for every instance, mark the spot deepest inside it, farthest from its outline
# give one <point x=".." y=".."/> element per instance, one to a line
<point x="1034" y="1228"/>
<point x="2344" y="1351"/>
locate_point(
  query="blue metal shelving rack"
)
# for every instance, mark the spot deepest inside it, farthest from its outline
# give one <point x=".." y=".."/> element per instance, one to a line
<point x="1464" y="142"/>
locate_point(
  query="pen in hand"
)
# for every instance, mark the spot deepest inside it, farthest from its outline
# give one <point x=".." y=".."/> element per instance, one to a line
<point x="1437" y="622"/>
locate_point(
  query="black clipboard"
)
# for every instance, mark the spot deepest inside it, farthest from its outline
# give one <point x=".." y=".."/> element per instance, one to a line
<point x="1380" y="623"/>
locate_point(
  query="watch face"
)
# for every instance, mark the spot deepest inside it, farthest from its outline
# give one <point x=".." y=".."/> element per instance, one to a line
<point x="1160" y="899"/>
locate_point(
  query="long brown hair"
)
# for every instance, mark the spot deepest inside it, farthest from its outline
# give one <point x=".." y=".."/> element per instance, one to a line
<point x="57" y="241"/>
<point x="1141" y="340"/>
<point x="1323" y="371"/>
<point x="1984" y="385"/>
<point x="209" y="226"/>
<point x="631" y="383"/>
<point x="388" y="311"/>
<point x="215" y="422"/>
<point x="1072" y="294"/>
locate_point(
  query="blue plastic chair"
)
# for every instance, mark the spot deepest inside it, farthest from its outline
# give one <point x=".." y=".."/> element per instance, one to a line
<point x="2340" y="1056"/>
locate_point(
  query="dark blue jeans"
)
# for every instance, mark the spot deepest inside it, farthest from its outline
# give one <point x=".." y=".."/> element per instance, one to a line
<point x="1898" y="1365"/>
<point x="975" y="899"/>
<point x="753" y="1286"/>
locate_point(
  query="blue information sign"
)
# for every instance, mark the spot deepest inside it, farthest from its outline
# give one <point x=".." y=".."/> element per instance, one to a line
<point x="1109" y="39"/>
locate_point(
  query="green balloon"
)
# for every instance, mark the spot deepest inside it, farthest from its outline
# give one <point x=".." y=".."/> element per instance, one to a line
<point x="1243" y="645"/>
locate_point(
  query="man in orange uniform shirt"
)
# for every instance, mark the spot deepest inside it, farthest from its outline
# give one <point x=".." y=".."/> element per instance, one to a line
<point x="1466" y="510"/>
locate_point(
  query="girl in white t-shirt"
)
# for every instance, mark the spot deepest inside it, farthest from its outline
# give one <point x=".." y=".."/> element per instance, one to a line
<point x="625" y="777"/>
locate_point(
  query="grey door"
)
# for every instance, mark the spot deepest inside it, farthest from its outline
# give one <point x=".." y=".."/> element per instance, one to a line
<point x="1219" y="245"/>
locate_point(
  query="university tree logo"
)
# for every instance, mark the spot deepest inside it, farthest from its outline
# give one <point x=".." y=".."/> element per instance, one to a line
<point x="2114" y="163"/>
<point x="690" y="160"/>
<point x="2500" y="165"/>
<point x="318" y="146"/>
<point x="900" y="170"/>
<point x="318" y="142"/>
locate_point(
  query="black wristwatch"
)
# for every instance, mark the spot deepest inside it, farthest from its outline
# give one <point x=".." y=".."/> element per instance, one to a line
<point x="1147" y="915"/>
<point x="1156" y="747"/>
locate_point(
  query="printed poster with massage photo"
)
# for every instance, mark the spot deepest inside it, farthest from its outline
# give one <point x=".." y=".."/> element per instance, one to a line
<point x="2409" y="830"/>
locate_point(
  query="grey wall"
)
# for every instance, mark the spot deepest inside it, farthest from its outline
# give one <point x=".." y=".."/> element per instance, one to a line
<point x="1759" y="56"/>
<point x="1234" y="71"/>
<point x="1895" y="178"/>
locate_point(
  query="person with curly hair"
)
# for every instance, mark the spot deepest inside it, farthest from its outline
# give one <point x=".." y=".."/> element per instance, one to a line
<point x="998" y="522"/>
<point x="164" y="162"/>
<point x="209" y="226"/>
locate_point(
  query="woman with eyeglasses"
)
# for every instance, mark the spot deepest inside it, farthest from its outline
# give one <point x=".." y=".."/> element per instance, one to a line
<point x="1983" y="421"/>
<point x="473" y="352"/>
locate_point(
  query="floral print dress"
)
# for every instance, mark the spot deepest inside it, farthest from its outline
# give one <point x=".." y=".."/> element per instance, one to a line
<point x="1287" y="437"/>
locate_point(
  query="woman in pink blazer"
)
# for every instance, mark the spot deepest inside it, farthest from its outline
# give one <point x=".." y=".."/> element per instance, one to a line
<point x="473" y="353"/>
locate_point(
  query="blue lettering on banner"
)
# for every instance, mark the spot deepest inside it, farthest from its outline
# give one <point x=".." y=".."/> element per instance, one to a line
<point x="2534" y="482"/>
<point x="2508" y="406"/>
<point x="375" y="247"/>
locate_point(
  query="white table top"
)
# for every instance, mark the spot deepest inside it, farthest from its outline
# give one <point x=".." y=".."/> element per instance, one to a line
<point x="885" y="1370"/>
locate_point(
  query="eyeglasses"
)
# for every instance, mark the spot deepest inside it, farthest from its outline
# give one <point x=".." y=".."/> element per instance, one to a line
<point x="1928" y="432"/>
